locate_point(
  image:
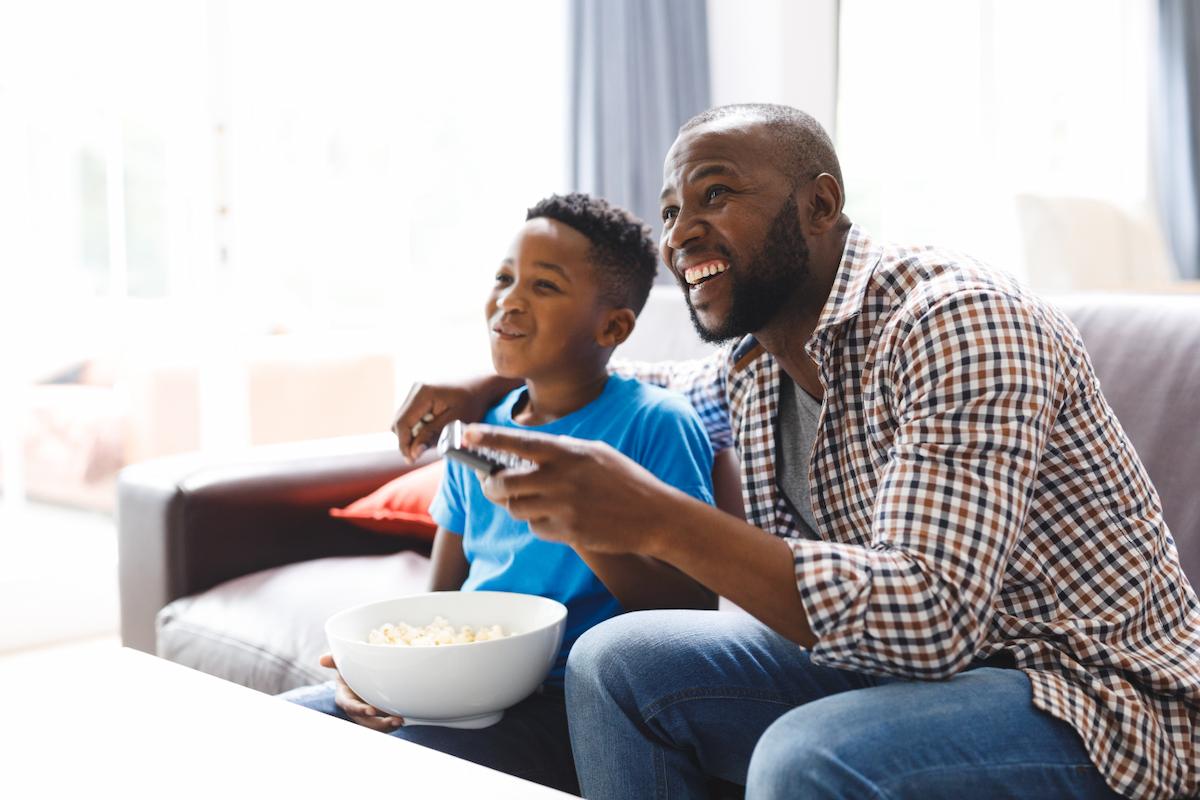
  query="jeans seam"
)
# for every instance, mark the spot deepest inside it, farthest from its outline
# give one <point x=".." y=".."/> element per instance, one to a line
<point x="891" y="780"/>
<point x="653" y="709"/>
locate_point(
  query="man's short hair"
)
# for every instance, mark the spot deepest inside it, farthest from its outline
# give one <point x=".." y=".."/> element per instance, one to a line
<point x="801" y="145"/>
<point x="622" y="252"/>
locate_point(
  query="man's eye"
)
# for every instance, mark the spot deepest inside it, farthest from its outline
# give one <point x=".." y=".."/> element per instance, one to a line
<point x="669" y="213"/>
<point x="714" y="192"/>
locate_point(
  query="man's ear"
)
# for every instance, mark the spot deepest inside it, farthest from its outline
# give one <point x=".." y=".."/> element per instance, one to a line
<point x="825" y="201"/>
<point x="616" y="326"/>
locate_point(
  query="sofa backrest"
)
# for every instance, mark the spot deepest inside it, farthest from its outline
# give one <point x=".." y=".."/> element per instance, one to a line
<point x="1146" y="351"/>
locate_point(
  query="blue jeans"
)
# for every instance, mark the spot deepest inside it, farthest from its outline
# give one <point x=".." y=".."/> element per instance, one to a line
<point x="662" y="702"/>
<point x="530" y="741"/>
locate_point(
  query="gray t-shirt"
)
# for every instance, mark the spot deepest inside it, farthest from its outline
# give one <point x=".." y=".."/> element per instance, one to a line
<point x="796" y="432"/>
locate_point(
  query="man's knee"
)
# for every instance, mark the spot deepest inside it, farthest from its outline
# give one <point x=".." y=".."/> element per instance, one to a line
<point x="800" y="756"/>
<point x="605" y="656"/>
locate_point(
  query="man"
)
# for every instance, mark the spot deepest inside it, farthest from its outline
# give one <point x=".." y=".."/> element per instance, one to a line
<point x="943" y="514"/>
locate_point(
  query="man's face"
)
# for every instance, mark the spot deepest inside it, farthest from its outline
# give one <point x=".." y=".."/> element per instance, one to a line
<point x="731" y="229"/>
<point x="544" y="307"/>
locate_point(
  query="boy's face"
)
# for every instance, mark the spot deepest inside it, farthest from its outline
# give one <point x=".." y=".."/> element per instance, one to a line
<point x="544" y="312"/>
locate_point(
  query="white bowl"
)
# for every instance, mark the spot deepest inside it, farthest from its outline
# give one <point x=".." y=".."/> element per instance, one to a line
<point x="457" y="685"/>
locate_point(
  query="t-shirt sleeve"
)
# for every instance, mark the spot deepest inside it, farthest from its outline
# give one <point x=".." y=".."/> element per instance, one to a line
<point x="448" y="508"/>
<point x="702" y="381"/>
<point x="674" y="445"/>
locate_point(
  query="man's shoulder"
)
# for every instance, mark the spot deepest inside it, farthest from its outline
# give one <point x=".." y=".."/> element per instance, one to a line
<point x="912" y="281"/>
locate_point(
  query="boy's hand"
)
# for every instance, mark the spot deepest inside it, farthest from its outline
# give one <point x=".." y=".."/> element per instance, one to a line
<point x="583" y="493"/>
<point x="356" y="709"/>
<point x="429" y="407"/>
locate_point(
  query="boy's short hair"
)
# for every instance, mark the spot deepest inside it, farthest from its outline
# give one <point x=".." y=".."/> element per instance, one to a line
<point x="622" y="252"/>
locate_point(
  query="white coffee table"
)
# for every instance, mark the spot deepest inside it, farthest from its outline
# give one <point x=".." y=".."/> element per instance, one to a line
<point x="125" y="724"/>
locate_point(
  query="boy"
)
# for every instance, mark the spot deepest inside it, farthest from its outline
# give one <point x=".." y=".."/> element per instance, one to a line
<point x="566" y="295"/>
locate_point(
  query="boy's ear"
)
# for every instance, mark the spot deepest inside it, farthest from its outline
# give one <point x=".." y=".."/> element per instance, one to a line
<point x="615" y="327"/>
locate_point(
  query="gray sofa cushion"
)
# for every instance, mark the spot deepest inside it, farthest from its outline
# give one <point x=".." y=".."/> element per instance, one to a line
<point x="266" y="630"/>
<point x="1146" y="350"/>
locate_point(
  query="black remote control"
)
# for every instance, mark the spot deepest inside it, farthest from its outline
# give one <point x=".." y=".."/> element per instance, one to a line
<point x="450" y="445"/>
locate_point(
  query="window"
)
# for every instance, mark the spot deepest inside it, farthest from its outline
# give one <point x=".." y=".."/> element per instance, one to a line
<point x="184" y="180"/>
<point x="954" y="116"/>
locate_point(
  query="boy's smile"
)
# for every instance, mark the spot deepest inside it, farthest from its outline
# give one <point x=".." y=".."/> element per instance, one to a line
<point x="544" y="310"/>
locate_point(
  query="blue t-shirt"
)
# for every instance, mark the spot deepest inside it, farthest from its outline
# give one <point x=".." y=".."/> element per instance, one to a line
<point x="653" y="426"/>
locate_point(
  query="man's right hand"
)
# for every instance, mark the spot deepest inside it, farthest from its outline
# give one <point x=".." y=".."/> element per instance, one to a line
<point x="429" y="407"/>
<point x="356" y="708"/>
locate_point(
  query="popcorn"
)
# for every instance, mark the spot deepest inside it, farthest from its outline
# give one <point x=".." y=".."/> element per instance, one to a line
<point x="438" y="632"/>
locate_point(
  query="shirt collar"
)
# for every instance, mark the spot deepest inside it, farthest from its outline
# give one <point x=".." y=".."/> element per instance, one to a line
<point x="846" y="298"/>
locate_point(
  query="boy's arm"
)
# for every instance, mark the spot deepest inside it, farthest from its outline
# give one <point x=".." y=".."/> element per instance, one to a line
<point x="449" y="564"/>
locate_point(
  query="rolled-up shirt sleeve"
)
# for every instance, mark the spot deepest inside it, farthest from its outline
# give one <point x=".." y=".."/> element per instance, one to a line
<point x="971" y="381"/>
<point x="702" y="381"/>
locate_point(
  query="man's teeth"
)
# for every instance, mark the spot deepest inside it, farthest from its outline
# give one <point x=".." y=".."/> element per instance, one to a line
<point x="694" y="275"/>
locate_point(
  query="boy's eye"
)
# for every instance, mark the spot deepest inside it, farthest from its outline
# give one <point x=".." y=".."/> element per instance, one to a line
<point x="503" y="278"/>
<point x="546" y="285"/>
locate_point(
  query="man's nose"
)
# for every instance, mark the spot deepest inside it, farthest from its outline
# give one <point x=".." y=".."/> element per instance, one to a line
<point x="686" y="229"/>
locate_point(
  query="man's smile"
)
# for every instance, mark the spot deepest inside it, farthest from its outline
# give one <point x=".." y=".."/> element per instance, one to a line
<point x="699" y="273"/>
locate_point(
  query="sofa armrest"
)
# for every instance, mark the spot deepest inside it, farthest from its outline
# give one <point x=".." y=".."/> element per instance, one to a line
<point x="187" y="523"/>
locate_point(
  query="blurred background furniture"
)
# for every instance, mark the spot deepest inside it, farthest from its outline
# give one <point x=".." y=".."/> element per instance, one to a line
<point x="1068" y="242"/>
<point x="232" y="567"/>
<point x="101" y="412"/>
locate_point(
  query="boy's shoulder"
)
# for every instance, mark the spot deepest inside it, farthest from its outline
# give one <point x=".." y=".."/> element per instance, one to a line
<point x="649" y="399"/>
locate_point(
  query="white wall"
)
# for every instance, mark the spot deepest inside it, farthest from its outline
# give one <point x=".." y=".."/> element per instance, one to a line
<point x="775" y="51"/>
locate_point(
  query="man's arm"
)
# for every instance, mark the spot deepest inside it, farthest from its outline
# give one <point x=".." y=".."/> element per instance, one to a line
<point x="588" y="495"/>
<point x="429" y="407"/>
<point x="973" y="382"/>
<point x="640" y="582"/>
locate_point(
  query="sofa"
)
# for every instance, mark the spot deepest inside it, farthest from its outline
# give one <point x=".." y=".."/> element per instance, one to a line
<point x="231" y="564"/>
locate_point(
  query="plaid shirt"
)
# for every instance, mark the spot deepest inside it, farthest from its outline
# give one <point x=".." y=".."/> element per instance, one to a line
<point x="975" y="496"/>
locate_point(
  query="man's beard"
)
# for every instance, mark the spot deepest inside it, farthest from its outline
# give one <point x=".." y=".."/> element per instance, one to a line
<point x="759" y="289"/>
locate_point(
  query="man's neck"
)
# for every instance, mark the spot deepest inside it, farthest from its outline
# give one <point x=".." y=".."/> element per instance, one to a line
<point x="784" y="336"/>
<point x="784" y="339"/>
<point x="554" y="398"/>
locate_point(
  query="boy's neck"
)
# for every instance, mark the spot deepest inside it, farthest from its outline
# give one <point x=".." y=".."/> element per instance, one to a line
<point x="549" y="399"/>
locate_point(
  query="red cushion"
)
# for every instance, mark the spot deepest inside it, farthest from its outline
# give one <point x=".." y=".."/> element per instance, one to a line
<point x="400" y="506"/>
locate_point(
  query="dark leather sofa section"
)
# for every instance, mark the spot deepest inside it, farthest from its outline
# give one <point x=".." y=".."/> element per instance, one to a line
<point x="188" y="523"/>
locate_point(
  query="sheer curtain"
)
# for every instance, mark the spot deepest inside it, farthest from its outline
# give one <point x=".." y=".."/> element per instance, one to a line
<point x="1177" y="137"/>
<point x="639" y="70"/>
